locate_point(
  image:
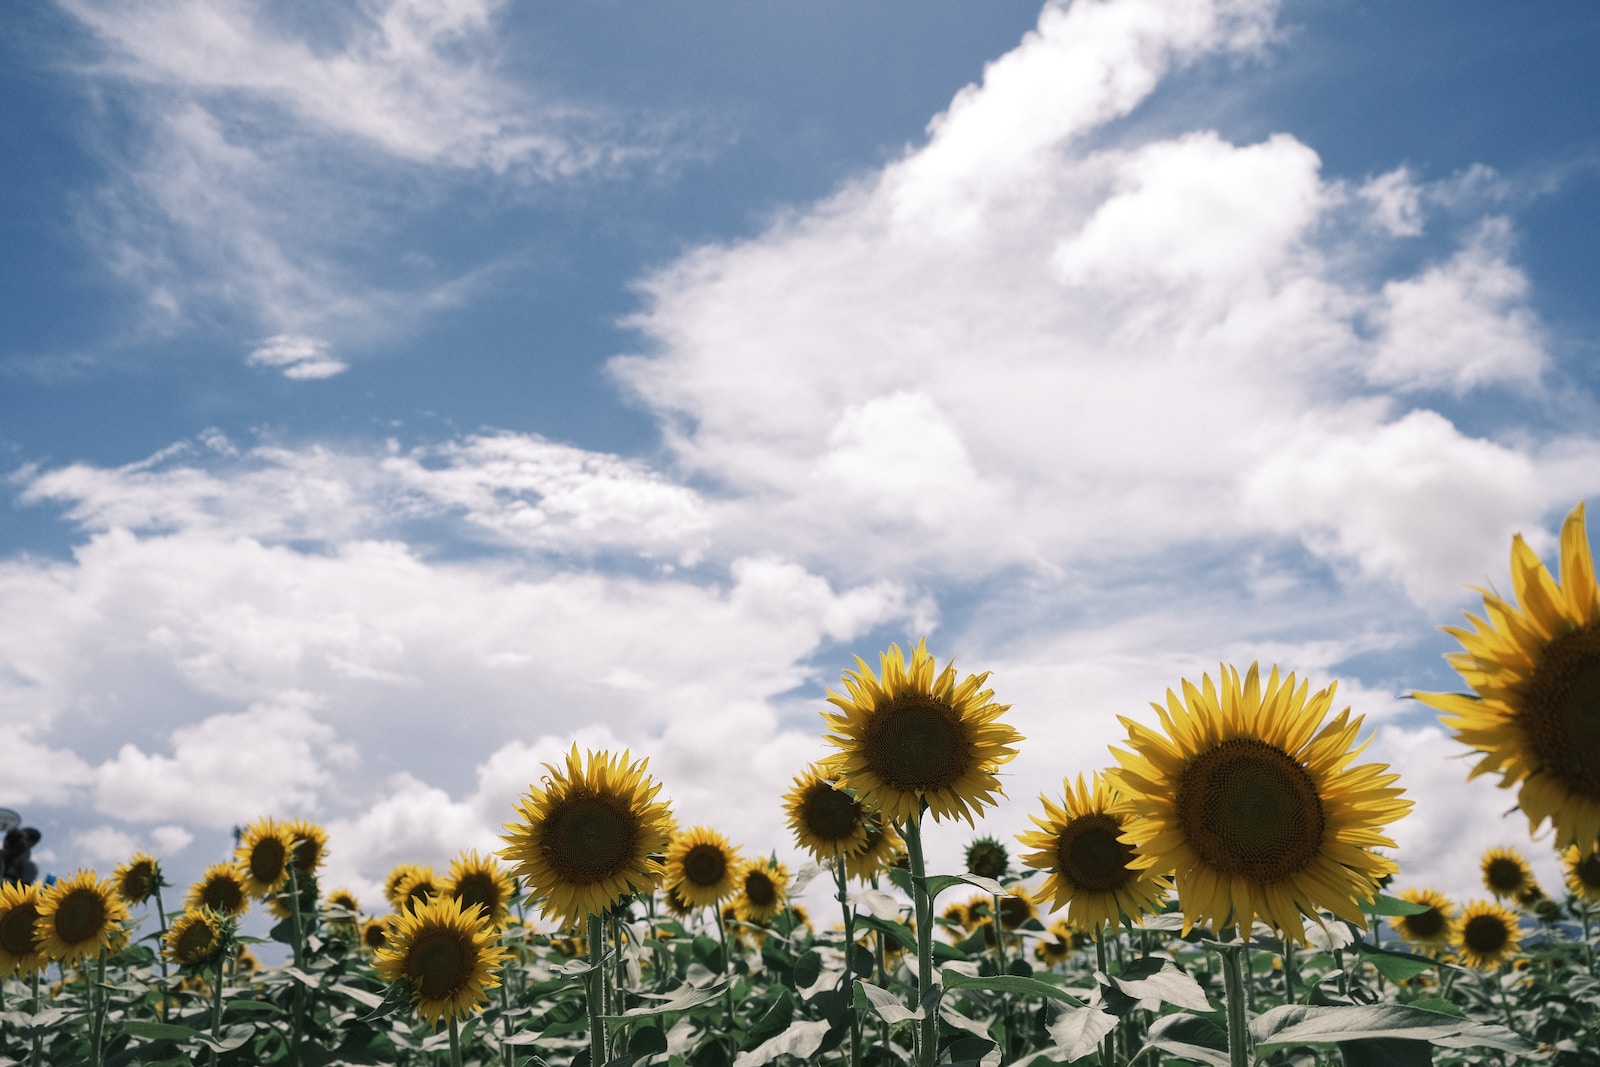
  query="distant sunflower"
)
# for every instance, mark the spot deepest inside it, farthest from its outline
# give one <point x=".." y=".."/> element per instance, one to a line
<point x="196" y="939"/>
<point x="245" y="964"/>
<point x="221" y="888"/>
<point x="763" y="890"/>
<point x="956" y="915"/>
<point x="1057" y="948"/>
<point x="676" y="906"/>
<point x="908" y="735"/>
<point x="310" y="845"/>
<point x="420" y="885"/>
<point x="988" y="858"/>
<point x="1092" y="869"/>
<point x="21" y="949"/>
<point x="448" y="957"/>
<point x="1581" y="872"/>
<point x="397" y="876"/>
<point x="344" y="900"/>
<point x="263" y="857"/>
<point x="1534" y="668"/>
<point x="590" y="836"/>
<point x="1016" y="908"/>
<point x="375" y="933"/>
<point x="1506" y="873"/>
<point x="1432" y="927"/>
<point x="137" y="879"/>
<point x="78" y="917"/>
<point x="476" y="879"/>
<point x="1487" y="934"/>
<point x="826" y="820"/>
<point x="1250" y="798"/>
<point x="883" y="848"/>
<point x="700" y="867"/>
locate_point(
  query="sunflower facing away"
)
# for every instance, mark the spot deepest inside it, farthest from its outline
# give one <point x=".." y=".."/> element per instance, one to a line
<point x="480" y="880"/>
<point x="590" y="836"/>
<point x="882" y="850"/>
<point x="196" y="939"/>
<point x="826" y="821"/>
<point x="1581" y="871"/>
<point x="448" y="957"/>
<point x="21" y="950"/>
<point x="1249" y="797"/>
<point x="908" y="735"/>
<point x="1487" y="934"/>
<point x="1534" y="668"/>
<point x="220" y="888"/>
<point x="137" y="879"/>
<point x="1432" y="927"/>
<point x="988" y="858"/>
<point x="1506" y="873"/>
<point x="763" y="890"/>
<point x="79" y="917"/>
<point x="263" y="857"/>
<point x="1092" y="870"/>
<point x="700" y="867"/>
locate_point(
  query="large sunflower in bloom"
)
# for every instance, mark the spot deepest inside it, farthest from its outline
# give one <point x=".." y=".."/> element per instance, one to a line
<point x="1432" y="927"/>
<point x="826" y="820"/>
<point x="1486" y="934"/>
<point x="220" y="888"/>
<point x="480" y="880"/>
<point x="1534" y="668"/>
<point x="447" y="956"/>
<point x="1580" y="869"/>
<point x="21" y="949"/>
<point x="263" y="857"/>
<point x="763" y="891"/>
<point x="590" y="836"/>
<point x="79" y="917"/>
<point x="700" y="867"/>
<point x="1092" y="870"/>
<point x="137" y="879"/>
<point x="1248" y="795"/>
<point x="1506" y="873"/>
<point x="310" y="845"/>
<point x="196" y="939"/>
<point x="910" y="734"/>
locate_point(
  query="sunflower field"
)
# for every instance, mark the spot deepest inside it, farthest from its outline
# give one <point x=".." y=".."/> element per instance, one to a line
<point x="1224" y="892"/>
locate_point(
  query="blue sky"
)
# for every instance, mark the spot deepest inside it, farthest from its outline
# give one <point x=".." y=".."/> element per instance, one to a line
<point x="390" y="398"/>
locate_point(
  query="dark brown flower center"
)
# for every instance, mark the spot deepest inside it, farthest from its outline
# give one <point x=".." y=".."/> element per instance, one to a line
<point x="17" y="935"/>
<point x="1249" y="809"/>
<point x="1558" y="709"/>
<point x="80" y="916"/>
<point x="705" y="865"/>
<point x="439" y="963"/>
<point x="759" y="889"/>
<point x="1425" y="926"/>
<point x="1089" y="853"/>
<point x="1587" y="870"/>
<point x="374" y="936"/>
<point x="589" y="838"/>
<point x="137" y="884"/>
<point x="829" y="814"/>
<point x="195" y="942"/>
<point x="1485" y="934"/>
<point x="267" y="858"/>
<point x="916" y="744"/>
<point x="478" y="887"/>
<point x="1504" y="875"/>
<point x="222" y="895"/>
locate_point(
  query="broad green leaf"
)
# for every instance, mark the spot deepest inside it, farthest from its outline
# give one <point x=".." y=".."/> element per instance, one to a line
<point x="1299" y="1024"/>
<point x="806" y="969"/>
<point x="397" y="997"/>
<point x="1191" y="1037"/>
<point x="1078" y="1031"/>
<point x="888" y="1006"/>
<point x="940" y="882"/>
<point x="773" y="1021"/>
<point x="801" y="1040"/>
<point x="1151" y="977"/>
<point x="798" y="884"/>
<point x="1008" y="983"/>
<point x="878" y="904"/>
<point x="681" y="999"/>
<point x="1386" y="1052"/>
<point x="647" y="1041"/>
<point x="1396" y="966"/>
<point x="160" y="1031"/>
<point x="360" y="996"/>
<point x="1393" y="906"/>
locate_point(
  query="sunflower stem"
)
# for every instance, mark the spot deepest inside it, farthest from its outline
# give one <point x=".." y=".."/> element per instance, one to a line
<point x="161" y="914"/>
<point x="927" y="992"/>
<point x="38" y="1035"/>
<point x="508" y="1052"/>
<point x="841" y="880"/>
<point x="98" y="1005"/>
<point x="1289" y="965"/>
<point x="297" y="1021"/>
<point x="455" y="1041"/>
<point x="216" y="1004"/>
<point x="595" y="980"/>
<point x="1102" y="959"/>
<point x="1233" y="985"/>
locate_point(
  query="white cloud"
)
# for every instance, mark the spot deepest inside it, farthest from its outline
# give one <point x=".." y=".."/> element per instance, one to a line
<point x="300" y="358"/>
<point x="1396" y="202"/>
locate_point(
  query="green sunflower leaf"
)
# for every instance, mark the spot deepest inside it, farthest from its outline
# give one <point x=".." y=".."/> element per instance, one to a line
<point x="1396" y="966"/>
<point x="889" y="1007"/>
<point x="1393" y="906"/>
<point x="940" y="882"/>
<point x="1299" y="1024"/>
<point x="1008" y="983"/>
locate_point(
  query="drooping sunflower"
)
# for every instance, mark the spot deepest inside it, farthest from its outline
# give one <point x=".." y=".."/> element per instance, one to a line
<point x="700" y="867"/>
<point x="310" y="845"/>
<point x="448" y="957"/>
<point x="908" y="735"/>
<point x="263" y="857"/>
<point x="1581" y="871"/>
<point x="419" y="886"/>
<point x="78" y="917"/>
<point x="590" y="836"/>
<point x="763" y="890"/>
<point x="396" y="876"/>
<point x="1534" y="668"/>
<point x="988" y="858"/>
<point x="480" y="880"/>
<point x="1249" y="796"/>
<point x="1487" y="934"/>
<point x="1432" y="927"/>
<point x="1092" y="873"/>
<point x="220" y="888"/>
<point x="137" y="879"/>
<point x="21" y="949"/>
<point x="196" y="939"/>
<point x="826" y="821"/>
<point x="883" y="848"/>
<point x="1506" y="873"/>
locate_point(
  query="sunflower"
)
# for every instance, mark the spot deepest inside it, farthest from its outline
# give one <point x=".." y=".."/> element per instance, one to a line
<point x="1016" y="908"/>
<point x="476" y="879"/>
<point x="310" y="845"/>
<point x="826" y="820"/>
<point x="956" y="916"/>
<point x="1487" y="934"/>
<point x="1581" y="871"/>
<point x="396" y="876"/>
<point x="283" y="905"/>
<point x="375" y="933"/>
<point x="700" y="867"/>
<point x="448" y="957"/>
<point x="1092" y="870"/>
<point x="196" y="939"/>
<point x="419" y="886"/>
<point x="1056" y="949"/>
<point x="220" y="888"/>
<point x="344" y="900"/>
<point x="137" y="879"/>
<point x="1432" y="927"/>
<point x="1506" y="874"/>
<point x="591" y="836"/>
<point x="884" y="849"/>
<point x="1534" y="668"/>
<point x="763" y="890"/>
<point x="21" y="950"/>
<point x="908" y="735"/>
<point x="1250" y="798"/>
<point x="245" y="964"/>
<point x="263" y="857"/>
<point x="78" y="918"/>
<point x="988" y="858"/>
<point x="676" y="906"/>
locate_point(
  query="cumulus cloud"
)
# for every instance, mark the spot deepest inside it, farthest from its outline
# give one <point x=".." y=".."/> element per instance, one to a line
<point x="299" y="358"/>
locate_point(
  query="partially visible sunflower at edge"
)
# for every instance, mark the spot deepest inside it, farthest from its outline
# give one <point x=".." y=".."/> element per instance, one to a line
<point x="700" y="867"/>
<point x="21" y="947"/>
<point x="397" y="876"/>
<point x="1487" y="934"/>
<point x="138" y="879"/>
<point x="1506" y="873"/>
<point x="79" y="917"/>
<point x="911" y="734"/>
<point x="475" y="879"/>
<point x="1581" y="871"/>
<point x="1248" y="795"/>
<point x="589" y="837"/>
<point x="446" y="955"/>
<point x="1534" y="669"/>
<point x="1092" y="873"/>
<point x="827" y="821"/>
<point x="763" y="890"/>
<point x="419" y="886"/>
<point x="263" y="857"/>
<point x="1436" y="926"/>
<point x="220" y="888"/>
